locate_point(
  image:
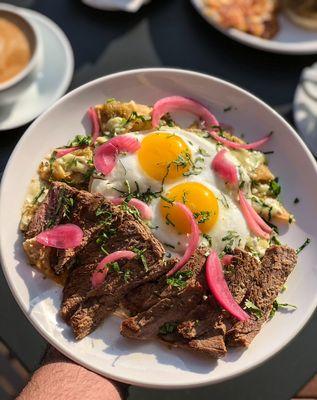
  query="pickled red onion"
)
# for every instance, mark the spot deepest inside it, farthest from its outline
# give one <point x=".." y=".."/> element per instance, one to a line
<point x="101" y="270"/>
<point x="105" y="158"/>
<point x="263" y="225"/>
<point x="143" y="208"/>
<point x="219" y="288"/>
<point x="62" y="152"/>
<point x="66" y="236"/>
<point x="226" y="259"/>
<point x="225" y="168"/>
<point x="193" y="239"/>
<point x="253" y="225"/>
<point x="94" y="123"/>
<point x="125" y="143"/>
<point x="106" y="155"/>
<point x="173" y="103"/>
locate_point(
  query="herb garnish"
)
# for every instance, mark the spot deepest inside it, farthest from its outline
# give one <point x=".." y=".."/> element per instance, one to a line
<point x="179" y="279"/>
<point x="146" y="196"/>
<point x="202" y="216"/>
<point x="276" y="306"/>
<point x="170" y="201"/>
<point x="80" y="140"/>
<point x="168" y="327"/>
<point x="203" y="152"/>
<point x="35" y="200"/>
<point x="208" y="238"/>
<point x="134" y="116"/>
<point x="141" y="256"/>
<point x="169" y="245"/>
<point x="51" y="162"/>
<point x="68" y="206"/>
<point x="253" y="309"/>
<point x="275" y="187"/>
<point x="168" y="220"/>
<point x="127" y="275"/>
<point x="229" y="108"/>
<point x="306" y="243"/>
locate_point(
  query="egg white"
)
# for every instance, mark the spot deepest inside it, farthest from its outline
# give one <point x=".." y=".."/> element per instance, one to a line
<point x="128" y="171"/>
<point x="230" y="222"/>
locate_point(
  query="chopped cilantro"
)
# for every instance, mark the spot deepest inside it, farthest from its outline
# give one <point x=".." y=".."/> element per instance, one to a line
<point x="39" y="194"/>
<point x="202" y="216"/>
<point x="253" y="309"/>
<point x="68" y="206"/>
<point x="306" y="243"/>
<point x="226" y="109"/>
<point x="127" y="275"/>
<point x="168" y="327"/>
<point x="170" y="201"/>
<point x="80" y="140"/>
<point x="203" y="152"/>
<point x="179" y="279"/>
<point x="169" y="245"/>
<point x="141" y="256"/>
<point x="276" y="306"/>
<point x="275" y="187"/>
<point x="168" y="221"/>
<point x="208" y="238"/>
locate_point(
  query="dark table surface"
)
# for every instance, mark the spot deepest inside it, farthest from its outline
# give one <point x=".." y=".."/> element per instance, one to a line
<point x="170" y="33"/>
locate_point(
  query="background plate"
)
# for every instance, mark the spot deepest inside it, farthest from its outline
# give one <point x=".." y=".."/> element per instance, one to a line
<point x="291" y="39"/>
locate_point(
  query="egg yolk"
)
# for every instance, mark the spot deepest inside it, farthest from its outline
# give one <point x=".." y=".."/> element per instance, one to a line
<point x="198" y="198"/>
<point x="164" y="156"/>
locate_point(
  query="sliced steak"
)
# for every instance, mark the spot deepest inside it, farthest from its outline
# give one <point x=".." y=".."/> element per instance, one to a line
<point x="145" y="296"/>
<point x="52" y="210"/>
<point x="85" y="214"/>
<point x="84" y="307"/>
<point x="147" y="324"/>
<point x="64" y="204"/>
<point x="239" y="276"/>
<point x="277" y="263"/>
<point x="167" y="302"/>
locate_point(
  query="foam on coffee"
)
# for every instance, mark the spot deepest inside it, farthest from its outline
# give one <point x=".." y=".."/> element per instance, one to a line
<point x="15" y="49"/>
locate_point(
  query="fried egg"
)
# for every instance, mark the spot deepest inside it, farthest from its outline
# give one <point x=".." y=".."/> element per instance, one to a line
<point x="174" y="165"/>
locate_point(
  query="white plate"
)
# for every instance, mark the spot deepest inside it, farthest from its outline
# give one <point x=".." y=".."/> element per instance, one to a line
<point x="291" y="39"/>
<point x="104" y="351"/>
<point x="54" y="75"/>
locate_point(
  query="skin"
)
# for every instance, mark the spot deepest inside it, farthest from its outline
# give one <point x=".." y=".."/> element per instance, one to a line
<point x="61" y="379"/>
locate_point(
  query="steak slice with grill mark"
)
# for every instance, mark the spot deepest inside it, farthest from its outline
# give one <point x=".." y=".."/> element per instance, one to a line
<point x="168" y="303"/>
<point x="145" y="296"/>
<point x="50" y="211"/>
<point x="238" y="275"/>
<point x="259" y="282"/>
<point x="64" y="204"/>
<point x="84" y="307"/>
<point x="205" y="328"/>
<point x="277" y="263"/>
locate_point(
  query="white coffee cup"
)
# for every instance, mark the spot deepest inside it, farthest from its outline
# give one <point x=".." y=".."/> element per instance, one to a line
<point x="12" y="88"/>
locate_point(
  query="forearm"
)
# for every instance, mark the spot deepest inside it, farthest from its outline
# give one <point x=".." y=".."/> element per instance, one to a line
<point x="61" y="379"/>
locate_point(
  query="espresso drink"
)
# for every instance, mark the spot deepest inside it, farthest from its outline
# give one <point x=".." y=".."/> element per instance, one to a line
<point x="15" y="49"/>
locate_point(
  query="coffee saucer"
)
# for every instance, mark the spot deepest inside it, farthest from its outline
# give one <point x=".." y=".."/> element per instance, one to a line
<point x="53" y="77"/>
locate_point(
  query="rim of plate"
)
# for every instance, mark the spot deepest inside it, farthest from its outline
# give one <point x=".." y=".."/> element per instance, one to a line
<point x="247" y="39"/>
<point x="69" y="65"/>
<point x="63" y="348"/>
